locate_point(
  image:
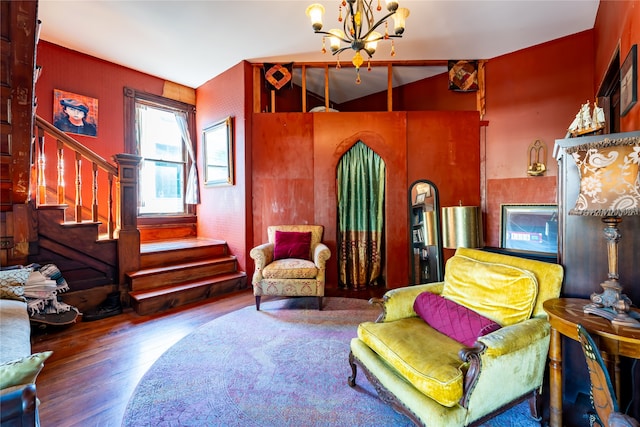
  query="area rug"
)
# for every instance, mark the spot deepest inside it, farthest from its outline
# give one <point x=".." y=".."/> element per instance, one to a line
<point x="286" y="365"/>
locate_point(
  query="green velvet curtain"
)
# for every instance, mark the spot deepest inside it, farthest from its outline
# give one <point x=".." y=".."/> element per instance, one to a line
<point x="361" y="182"/>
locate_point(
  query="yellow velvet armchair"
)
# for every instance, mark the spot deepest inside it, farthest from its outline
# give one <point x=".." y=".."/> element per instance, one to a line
<point x="292" y="263"/>
<point x="436" y="380"/>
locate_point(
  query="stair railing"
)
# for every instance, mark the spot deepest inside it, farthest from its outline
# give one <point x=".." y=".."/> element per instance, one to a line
<point x="124" y="175"/>
<point x="80" y="153"/>
<point x="126" y="180"/>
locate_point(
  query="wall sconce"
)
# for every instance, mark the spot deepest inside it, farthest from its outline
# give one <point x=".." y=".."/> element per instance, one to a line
<point x="537" y="158"/>
<point x="462" y="227"/>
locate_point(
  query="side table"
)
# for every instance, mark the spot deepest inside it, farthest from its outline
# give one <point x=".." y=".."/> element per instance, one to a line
<point x="613" y="341"/>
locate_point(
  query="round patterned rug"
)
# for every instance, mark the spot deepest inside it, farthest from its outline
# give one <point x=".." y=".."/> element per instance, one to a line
<point x="286" y="365"/>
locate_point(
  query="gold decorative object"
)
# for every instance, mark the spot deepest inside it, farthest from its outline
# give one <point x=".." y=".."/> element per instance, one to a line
<point x="610" y="188"/>
<point x="430" y="236"/>
<point x="462" y="227"/>
<point x="537" y="158"/>
<point x="359" y="28"/>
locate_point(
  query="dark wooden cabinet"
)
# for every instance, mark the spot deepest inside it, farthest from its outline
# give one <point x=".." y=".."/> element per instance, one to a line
<point x="18" y="31"/>
<point x="582" y="251"/>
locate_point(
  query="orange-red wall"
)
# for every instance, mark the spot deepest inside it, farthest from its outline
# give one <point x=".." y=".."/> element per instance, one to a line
<point x="424" y="95"/>
<point x="295" y="156"/>
<point x="222" y="213"/>
<point x="81" y="74"/>
<point x="71" y="71"/>
<point x="617" y="26"/>
<point x="532" y="94"/>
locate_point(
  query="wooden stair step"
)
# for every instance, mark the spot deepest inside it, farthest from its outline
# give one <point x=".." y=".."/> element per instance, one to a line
<point x="163" y="298"/>
<point x="181" y="272"/>
<point x="160" y="253"/>
<point x="174" y="244"/>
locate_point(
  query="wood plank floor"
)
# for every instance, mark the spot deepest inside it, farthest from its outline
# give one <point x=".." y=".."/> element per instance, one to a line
<point x="96" y="366"/>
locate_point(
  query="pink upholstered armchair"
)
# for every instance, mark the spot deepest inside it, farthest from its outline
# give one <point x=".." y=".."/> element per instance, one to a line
<point x="292" y="263"/>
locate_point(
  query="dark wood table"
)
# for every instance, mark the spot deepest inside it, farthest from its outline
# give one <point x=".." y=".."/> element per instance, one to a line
<point x="613" y="341"/>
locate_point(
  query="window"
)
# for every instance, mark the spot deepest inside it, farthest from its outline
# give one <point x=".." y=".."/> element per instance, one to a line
<point x="156" y="129"/>
<point x="163" y="165"/>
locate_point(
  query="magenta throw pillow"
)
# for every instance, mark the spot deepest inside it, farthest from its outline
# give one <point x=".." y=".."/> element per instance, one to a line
<point x="292" y="244"/>
<point x="452" y="319"/>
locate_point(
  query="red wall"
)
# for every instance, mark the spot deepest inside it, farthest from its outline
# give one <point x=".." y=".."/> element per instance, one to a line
<point x="222" y="213"/>
<point x="532" y="94"/>
<point x="617" y="26"/>
<point x="295" y="156"/>
<point x="71" y="71"/>
<point x="81" y="74"/>
<point x="430" y="94"/>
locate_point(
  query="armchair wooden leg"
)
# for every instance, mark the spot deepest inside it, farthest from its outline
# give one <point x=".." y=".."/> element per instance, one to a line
<point x="354" y="370"/>
<point x="319" y="303"/>
<point x="257" y="302"/>
<point x="535" y="405"/>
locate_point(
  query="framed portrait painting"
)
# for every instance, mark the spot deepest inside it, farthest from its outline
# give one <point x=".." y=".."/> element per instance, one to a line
<point x="75" y="113"/>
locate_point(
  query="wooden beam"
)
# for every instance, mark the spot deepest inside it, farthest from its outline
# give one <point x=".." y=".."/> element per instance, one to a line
<point x="256" y="89"/>
<point x="389" y="87"/>
<point x="304" y="88"/>
<point x="480" y="95"/>
<point x="326" y="87"/>
<point x="273" y="101"/>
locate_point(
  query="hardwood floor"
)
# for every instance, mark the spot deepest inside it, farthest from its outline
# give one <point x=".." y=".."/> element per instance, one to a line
<point x="96" y="365"/>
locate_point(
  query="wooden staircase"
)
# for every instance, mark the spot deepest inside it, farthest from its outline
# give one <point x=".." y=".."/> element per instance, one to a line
<point x="181" y="271"/>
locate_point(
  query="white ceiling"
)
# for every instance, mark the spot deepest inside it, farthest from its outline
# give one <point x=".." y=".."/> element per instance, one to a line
<point x="190" y="42"/>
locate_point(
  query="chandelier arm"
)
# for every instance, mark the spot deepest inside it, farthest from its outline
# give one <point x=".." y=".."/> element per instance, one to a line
<point x="332" y="35"/>
<point x="351" y="17"/>
<point x="380" y="22"/>
<point x="340" y="50"/>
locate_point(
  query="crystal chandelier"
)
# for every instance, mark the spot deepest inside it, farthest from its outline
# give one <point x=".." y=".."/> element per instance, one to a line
<point x="359" y="28"/>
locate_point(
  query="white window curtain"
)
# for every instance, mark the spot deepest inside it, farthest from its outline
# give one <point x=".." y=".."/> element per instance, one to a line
<point x="192" y="195"/>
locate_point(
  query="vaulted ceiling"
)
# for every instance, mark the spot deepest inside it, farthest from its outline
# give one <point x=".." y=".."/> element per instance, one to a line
<point x="190" y="42"/>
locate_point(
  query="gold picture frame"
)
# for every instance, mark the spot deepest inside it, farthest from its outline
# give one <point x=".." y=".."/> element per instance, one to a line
<point x="217" y="149"/>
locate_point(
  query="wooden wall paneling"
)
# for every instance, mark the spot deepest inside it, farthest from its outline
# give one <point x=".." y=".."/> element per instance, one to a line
<point x="385" y="133"/>
<point x="444" y="147"/>
<point x="18" y="40"/>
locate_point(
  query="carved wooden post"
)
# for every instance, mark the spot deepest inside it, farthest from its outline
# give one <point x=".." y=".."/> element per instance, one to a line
<point x="94" y="193"/>
<point x="41" y="196"/>
<point x="60" y="187"/>
<point x="78" y="187"/>
<point x="127" y="229"/>
<point x="110" y="220"/>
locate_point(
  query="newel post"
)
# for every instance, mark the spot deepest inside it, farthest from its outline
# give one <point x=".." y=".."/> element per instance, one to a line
<point x="127" y="231"/>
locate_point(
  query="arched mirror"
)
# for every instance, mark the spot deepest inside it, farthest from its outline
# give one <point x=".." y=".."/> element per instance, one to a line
<point x="426" y="236"/>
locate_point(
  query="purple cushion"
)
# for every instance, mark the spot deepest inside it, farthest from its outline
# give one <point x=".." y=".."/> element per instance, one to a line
<point x="292" y="244"/>
<point x="452" y="319"/>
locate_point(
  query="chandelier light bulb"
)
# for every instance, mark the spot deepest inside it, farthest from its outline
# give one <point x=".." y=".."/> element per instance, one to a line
<point x="315" y="12"/>
<point x="372" y="42"/>
<point x="399" y="20"/>
<point x="392" y="5"/>
<point x="336" y="36"/>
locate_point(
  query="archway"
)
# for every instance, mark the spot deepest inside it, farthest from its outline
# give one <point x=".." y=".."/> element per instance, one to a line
<point x="361" y="178"/>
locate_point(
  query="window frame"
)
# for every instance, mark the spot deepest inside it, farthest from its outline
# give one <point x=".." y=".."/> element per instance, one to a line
<point x="131" y="98"/>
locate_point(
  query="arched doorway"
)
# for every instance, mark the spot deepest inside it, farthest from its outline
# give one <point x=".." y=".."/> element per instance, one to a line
<point x="361" y="178"/>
